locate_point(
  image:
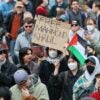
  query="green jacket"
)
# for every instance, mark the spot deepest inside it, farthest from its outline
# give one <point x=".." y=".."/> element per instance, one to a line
<point x="37" y="90"/>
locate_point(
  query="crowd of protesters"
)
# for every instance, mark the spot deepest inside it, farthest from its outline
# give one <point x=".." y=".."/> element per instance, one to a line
<point x="29" y="71"/>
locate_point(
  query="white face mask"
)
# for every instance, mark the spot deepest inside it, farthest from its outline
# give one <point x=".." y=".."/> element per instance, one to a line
<point x="72" y="66"/>
<point x="90" y="27"/>
<point x="52" y="54"/>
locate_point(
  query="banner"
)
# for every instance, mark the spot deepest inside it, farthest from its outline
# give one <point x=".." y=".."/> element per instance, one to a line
<point x="50" y="33"/>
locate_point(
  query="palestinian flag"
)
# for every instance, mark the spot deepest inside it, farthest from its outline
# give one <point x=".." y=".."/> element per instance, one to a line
<point x="77" y="46"/>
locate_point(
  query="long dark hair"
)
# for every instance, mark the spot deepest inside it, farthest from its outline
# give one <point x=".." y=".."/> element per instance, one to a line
<point x="22" y="53"/>
<point x="39" y="2"/>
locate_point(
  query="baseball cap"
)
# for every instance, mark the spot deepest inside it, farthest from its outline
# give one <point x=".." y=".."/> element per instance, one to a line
<point x="20" y="76"/>
<point x="75" y="22"/>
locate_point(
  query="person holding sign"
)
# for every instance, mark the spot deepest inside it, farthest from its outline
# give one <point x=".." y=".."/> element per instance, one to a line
<point x="47" y="67"/>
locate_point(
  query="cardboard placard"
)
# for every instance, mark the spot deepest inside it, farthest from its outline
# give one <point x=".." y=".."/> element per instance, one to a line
<point x="50" y="33"/>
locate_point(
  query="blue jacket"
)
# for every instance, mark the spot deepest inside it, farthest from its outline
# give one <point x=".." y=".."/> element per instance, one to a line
<point x="6" y="8"/>
<point x="29" y="7"/>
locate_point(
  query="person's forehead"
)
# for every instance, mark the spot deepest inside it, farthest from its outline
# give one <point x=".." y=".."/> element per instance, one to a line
<point x="74" y="2"/>
<point x="70" y="59"/>
<point x="28" y="23"/>
<point x="90" y="63"/>
<point x="90" y="21"/>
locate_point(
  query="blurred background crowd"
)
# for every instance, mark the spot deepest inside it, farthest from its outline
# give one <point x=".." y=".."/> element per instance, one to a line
<point x="29" y="71"/>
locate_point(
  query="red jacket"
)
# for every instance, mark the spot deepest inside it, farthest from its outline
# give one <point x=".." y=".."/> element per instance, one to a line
<point x="95" y="95"/>
<point x="41" y="10"/>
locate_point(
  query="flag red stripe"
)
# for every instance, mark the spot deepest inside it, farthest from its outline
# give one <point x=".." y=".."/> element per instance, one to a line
<point x="74" y="40"/>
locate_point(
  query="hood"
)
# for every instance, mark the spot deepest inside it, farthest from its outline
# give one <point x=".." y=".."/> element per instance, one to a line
<point x="35" y="80"/>
<point x="96" y="70"/>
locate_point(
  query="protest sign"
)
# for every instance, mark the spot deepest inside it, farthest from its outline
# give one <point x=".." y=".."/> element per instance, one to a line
<point x="50" y="33"/>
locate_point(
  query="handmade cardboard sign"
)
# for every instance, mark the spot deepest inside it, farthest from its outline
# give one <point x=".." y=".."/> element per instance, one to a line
<point x="50" y="33"/>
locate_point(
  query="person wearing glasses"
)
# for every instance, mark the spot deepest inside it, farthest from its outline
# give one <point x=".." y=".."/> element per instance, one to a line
<point x="13" y="23"/>
<point x="24" y="38"/>
<point x="76" y="29"/>
<point x="7" y="69"/>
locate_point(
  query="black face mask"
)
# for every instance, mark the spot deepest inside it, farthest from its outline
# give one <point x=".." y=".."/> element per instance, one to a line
<point x="90" y="69"/>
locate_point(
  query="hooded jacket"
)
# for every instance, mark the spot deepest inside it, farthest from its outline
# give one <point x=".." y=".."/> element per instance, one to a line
<point x="85" y="80"/>
<point x="37" y="89"/>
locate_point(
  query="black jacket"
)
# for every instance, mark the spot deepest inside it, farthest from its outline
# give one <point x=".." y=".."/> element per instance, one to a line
<point x="65" y="84"/>
<point x="6" y="74"/>
<point x="9" y="21"/>
<point x="46" y="69"/>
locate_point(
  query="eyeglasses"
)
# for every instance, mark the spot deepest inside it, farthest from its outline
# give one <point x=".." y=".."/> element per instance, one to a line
<point x="28" y="26"/>
<point x="74" y="25"/>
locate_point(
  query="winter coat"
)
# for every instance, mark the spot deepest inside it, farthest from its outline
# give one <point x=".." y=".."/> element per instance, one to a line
<point x="65" y="82"/>
<point x="9" y="20"/>
<point x="46" y="69"/>
<point x="6" y="74"/>
<point x="85" y="80"/>
<point x="37" y="90"/>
